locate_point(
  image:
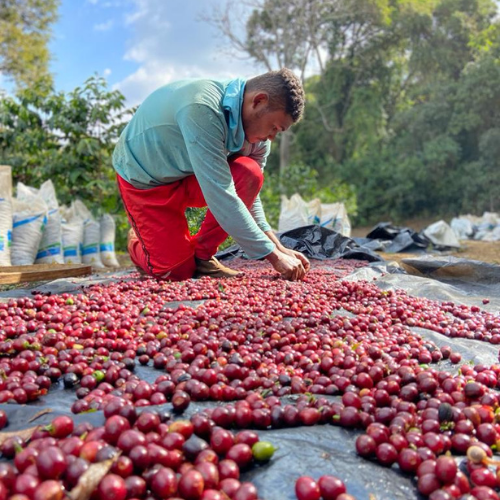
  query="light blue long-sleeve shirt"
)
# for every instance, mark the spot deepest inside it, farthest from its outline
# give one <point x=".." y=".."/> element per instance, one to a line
<point x="182" y="129"/>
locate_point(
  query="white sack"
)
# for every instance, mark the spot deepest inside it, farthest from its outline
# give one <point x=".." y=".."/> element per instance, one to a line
<point x="29" y="219"/>
<point x="490" y="220"/>
<point x="462" y="227"/>
<point x="294" y="213"/>
<point x="91" y="253"/>
<point x="50" y="249"/>
<point x="5" y="215"/>
<point x="493" y="235"/>
<point x="78" y="210"/>
<point x="90" y="243"/>
<point x="72" y="241"/>
<point x="441" y="234"/>
<point x="334" y="216"/>
<point x="314" y="211"/>
<point x="108" y="233"/>
<point x="6" y="181"/>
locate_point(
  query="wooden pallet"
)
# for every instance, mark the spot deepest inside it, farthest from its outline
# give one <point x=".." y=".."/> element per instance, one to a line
<point x="42" y="272"/>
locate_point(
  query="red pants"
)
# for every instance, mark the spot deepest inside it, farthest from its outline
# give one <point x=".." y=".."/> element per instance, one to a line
<point x="163" y="247"/>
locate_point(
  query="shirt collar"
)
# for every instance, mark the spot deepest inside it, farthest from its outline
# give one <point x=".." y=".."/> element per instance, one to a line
<point x="232" y="103"/>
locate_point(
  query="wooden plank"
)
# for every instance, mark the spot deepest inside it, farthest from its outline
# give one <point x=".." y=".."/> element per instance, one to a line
<point x="42" y="272"/>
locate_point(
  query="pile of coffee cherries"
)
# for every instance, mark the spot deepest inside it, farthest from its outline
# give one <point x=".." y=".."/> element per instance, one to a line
<point x="248" y="342"/>
<point x="138" y="456"/>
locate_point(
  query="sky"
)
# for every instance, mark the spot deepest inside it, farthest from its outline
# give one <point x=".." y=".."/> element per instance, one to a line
<point x="139" y="45"/>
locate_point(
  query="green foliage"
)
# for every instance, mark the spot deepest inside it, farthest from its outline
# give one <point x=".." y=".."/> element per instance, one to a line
<point x="68" y="138"/>
<point x="25" y="28"/>
<point x="195" y="218"/>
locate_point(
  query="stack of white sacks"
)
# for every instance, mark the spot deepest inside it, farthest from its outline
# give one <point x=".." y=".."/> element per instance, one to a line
<point x="34" y="229"/>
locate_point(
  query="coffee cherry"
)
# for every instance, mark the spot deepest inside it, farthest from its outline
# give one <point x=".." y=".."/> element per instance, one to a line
<point x="306" y="488"/>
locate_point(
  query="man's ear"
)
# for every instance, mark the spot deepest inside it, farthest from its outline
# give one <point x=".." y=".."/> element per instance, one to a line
<point x="260" y="99"/>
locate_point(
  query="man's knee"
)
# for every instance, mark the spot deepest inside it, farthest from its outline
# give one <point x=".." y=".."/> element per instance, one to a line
<point x="247" y="170"/>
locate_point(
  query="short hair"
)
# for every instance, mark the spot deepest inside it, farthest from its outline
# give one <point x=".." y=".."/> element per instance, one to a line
<point x="284" y="89"/>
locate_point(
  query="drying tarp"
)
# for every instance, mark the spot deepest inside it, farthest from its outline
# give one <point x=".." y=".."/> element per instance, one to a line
<point x="321" y="243"/>
<point x="322" y="449"/>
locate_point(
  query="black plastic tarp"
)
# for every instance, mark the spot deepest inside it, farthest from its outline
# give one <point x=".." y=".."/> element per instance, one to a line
<point x="395" y="239"/>
<point x="316" y="242"/>
<point x="321" y="243"/>
<point x="472" y="275"/>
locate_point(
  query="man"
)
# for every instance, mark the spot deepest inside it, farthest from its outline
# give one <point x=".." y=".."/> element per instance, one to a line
<point x="196" y="143"/>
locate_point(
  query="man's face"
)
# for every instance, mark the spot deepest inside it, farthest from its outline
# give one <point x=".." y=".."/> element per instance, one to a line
<point x="261" y="124"/>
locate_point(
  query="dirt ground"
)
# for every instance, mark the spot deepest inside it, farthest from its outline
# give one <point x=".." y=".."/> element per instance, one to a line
<point x="485" y="251"/>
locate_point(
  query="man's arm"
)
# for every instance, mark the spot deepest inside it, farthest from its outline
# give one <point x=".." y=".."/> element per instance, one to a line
<point x="259" y="152"/>
<point x="291" y="264"/>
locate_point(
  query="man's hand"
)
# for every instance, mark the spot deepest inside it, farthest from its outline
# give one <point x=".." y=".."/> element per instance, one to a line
<point x="287" y="251"/>
<point x="289" y="266"/>
<point x="298" y="255"/>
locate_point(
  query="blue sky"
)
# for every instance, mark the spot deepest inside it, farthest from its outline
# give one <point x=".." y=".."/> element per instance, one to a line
<point x="139" y="45"/>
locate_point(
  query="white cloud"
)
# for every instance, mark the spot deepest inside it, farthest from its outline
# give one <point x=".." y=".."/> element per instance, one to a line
<point x="152" y="75"/>
<point x="142" y="9"/>
<point x="107" y="72"/>
<point x="168" y="43"/>
<point x="106" y="26"/>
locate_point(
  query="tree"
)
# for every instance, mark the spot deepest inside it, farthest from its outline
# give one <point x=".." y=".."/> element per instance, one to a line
<point x="276" y="34"/>
<point x="390" y="112"/>
<point x="25" y="29"/>
<point x="347" y="42"/>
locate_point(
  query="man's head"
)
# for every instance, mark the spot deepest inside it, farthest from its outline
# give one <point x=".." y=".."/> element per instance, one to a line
<point x="272" y="103"/>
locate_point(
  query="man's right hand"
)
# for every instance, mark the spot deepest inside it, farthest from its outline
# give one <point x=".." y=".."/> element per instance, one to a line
<point x="288" y="266"/>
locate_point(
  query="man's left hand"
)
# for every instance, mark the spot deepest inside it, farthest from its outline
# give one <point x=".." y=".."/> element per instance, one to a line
<point x="298" y="255"/>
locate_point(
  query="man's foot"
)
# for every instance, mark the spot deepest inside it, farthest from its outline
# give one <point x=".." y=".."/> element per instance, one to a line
<point x="214" y="269"/>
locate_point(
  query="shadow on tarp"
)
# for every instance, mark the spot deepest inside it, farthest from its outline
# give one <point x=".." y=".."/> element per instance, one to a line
<point x="315" y="242"/>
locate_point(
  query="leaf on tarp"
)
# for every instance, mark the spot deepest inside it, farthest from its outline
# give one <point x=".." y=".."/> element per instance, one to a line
<point x="90" y="479"/>
<point x="24" y="434"/>
<point x="39" y="414"/>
